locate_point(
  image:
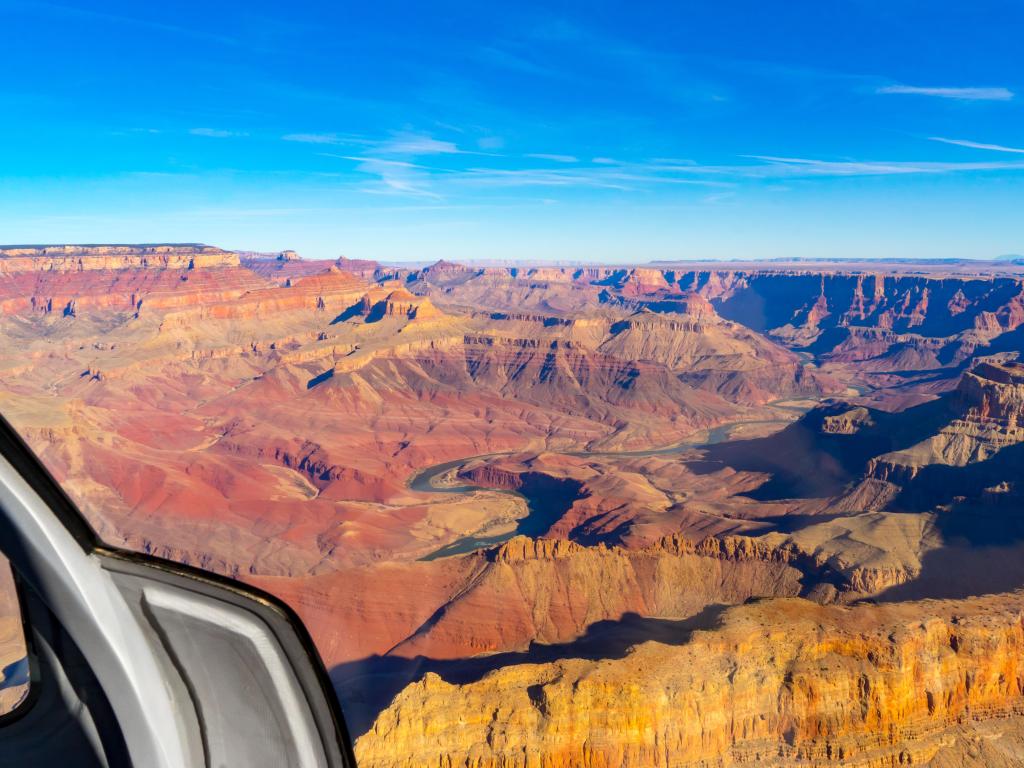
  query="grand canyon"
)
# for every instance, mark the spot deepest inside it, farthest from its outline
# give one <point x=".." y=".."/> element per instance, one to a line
<point x="548" y="516"/>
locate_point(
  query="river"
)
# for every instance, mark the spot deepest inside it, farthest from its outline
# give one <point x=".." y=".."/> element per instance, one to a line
<point x="544" y="509"/>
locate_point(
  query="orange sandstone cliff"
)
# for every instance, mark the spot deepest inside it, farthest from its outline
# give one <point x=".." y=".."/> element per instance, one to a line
<point x="779" y="683"/>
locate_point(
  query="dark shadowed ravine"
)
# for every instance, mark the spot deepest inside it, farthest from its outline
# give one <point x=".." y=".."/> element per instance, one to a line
<point x="545" y="504"/>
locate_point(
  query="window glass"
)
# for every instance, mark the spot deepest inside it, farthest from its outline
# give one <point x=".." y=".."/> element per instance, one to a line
<point x="14" y="672"/>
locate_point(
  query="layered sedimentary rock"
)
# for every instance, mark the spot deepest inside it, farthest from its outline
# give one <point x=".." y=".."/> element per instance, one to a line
<point x="80" y="258"/>
<point x="67" y="280"/>
<point x="786" y="300"/>
<point x="568" y="597"/>
<point x="398" y="302"/>
<point x="715" y="354"/>
<point x="444" y="271"/>
<point x="211" y="395"/>
<point x="284" y="266"/>
<point x="329" y="291"/>
<point x="988" y="409"/>
<point x="634" y="503"/>
<point x="541" y="485"/>
<point x="869" y="321"/>
<point x="551" y="591"/>
<point x="777" y="683"/>
<point x="368" y="269"/>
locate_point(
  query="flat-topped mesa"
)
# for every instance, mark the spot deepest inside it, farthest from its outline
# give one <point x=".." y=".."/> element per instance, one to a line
<point x="641" y="281"/>
<point x="401" y="303"/>
<point x="285" y="255"/>
<point x="365" y="268"/>
<point x="398" y="302"/>
<point x="442" y="265"/>
<point x="79" y="258"/>
<point x="691" y="304"/>
<point x="845" y="421"/>
<point x="548" y="274"/>
<point x="993" y="394"/>
<point x="443" y="272"/>
<point x="1007" y="372"/>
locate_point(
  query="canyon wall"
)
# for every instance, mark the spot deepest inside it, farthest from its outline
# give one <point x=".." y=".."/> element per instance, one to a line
<point x="987" y="411"/>
<point x="879" y="318"/>
<point x="68" y="280"/>
<point x="683" y="439"/>
<point x="81" y="258"/>
<point x="776" y="683"/>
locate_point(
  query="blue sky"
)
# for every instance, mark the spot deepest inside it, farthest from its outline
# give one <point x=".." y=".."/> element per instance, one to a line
<point x="586" y="131"/>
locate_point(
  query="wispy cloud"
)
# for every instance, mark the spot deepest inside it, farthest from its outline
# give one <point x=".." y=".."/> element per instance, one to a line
<point x="978" y="145"/>
<point x="325" y="138"/>
<point x="675" y="162"/>
<point x="403" y="143"/>
<point x="215" y="133"/>
<point x="395" y="176"/>
<point x="532" y="177"/>
<point x="426" y="165"/>
<point x="376" y="161"/>
<point x="416" y="144"/>
<point x="408" y="177"/>
<point x="391" y="160"/>
<point x="624" y="178"/>
<point x="554" y="158"/>
<point x="797" y="166"/>
<point x="392" y="184"/>
<point x="962" y="94"/>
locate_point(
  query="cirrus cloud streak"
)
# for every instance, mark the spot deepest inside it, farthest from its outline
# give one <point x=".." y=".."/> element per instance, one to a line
<point x="961" y="94"/>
